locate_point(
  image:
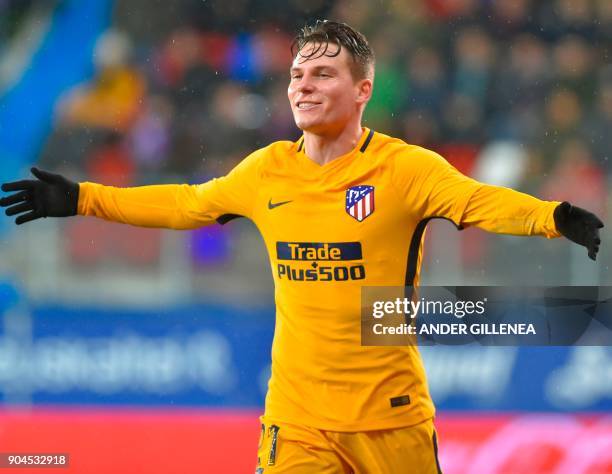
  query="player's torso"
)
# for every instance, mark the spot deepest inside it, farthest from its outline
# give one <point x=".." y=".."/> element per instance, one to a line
<point x="331" y="230"/>
<point x="337" y="224"/>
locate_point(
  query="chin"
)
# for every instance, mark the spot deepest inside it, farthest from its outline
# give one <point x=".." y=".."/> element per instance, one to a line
<point x="304" y="126"/>
<point x="307" y="126"/>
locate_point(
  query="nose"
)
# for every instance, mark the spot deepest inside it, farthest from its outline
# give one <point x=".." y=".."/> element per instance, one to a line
<point x="305" y="85"/>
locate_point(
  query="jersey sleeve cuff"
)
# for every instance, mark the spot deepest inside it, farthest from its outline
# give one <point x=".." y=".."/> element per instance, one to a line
<point x="85" y="192"/>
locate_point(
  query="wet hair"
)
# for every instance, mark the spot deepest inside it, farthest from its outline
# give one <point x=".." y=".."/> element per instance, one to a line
<point x="323" y="32"/>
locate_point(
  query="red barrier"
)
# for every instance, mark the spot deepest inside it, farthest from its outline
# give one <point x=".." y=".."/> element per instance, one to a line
<point x="135" y="441"/>
<point x="529" y="443"/>
<point x="167" y="442"/>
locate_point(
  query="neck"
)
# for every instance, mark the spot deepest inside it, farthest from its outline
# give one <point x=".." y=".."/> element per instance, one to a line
<point x="323" y="148"/>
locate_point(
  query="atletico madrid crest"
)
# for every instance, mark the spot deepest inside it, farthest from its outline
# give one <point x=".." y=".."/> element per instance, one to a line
<point x="360" y="201"/>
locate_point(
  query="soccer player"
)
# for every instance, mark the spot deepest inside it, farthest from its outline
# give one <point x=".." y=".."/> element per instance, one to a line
<point x="342" y="208"/>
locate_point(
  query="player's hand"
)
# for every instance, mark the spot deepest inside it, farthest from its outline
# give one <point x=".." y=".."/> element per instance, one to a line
<point x="51" y="195"/>
<point x="579" y="225"/>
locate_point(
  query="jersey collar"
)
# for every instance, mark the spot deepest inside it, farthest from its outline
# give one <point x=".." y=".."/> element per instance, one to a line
<point x="362" y="145"/>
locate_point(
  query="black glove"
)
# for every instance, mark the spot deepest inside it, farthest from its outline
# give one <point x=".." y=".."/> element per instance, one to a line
<point x="51" y="195"/>
<point x="579" y="225"/>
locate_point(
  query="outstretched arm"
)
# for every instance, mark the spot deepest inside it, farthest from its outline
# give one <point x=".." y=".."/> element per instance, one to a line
<point x="172" y="206"/>
<point x="506" y="211"/>
<point x="503" y="210"/>
<point x="436" y="189"/>
<point x="52" y="195"/>
<point x="175" y="206"/>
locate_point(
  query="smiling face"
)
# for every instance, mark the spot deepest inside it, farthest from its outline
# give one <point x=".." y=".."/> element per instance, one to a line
<point x="325" y="98"/>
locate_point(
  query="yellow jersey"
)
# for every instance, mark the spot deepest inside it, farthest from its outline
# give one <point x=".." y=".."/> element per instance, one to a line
<point x="331" y="229"/>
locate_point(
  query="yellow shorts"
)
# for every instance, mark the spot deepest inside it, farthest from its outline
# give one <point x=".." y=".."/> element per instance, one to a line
<point x="296" y="449"/>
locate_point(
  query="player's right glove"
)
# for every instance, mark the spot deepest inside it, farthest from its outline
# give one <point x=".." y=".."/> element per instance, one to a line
<point x="579" y="225"/>
<point x="51" y="195"/>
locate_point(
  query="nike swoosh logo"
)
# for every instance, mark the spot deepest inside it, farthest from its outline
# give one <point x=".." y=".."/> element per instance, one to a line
<point x="272" y="205"/>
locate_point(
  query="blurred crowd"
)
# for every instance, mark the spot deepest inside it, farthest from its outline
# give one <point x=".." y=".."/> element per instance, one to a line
<point x="512" y="92"/>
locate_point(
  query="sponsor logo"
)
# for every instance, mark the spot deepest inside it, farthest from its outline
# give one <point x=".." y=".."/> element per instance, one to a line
<point x="309" y="261"/>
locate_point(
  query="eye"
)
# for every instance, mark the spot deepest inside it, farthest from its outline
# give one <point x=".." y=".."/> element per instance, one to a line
<point x="296" y="76"/>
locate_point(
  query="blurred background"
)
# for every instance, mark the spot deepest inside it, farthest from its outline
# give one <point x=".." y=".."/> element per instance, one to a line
<point x="143" y="350"/>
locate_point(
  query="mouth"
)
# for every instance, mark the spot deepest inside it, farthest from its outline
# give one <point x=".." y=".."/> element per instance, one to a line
<point x="307" y="105"/>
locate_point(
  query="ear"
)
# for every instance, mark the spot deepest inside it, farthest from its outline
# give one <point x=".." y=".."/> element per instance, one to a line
<point x="364" y="91"/>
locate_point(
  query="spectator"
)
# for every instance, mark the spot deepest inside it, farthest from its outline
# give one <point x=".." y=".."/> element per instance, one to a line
<point x="426" y="81"/>
<point x="598" y="126"/>
<point x="573" y="67"/>
<point x="521" y="81"/>
<point x="564" y="115"/>
<point x="112" y="101"/>
<point x="510" y="17"/>
<point x="149" y="138"/>
<point x="473" y="64"/>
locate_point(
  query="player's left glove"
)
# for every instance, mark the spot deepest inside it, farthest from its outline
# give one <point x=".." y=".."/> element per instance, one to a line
<point x="579" y="225"/>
